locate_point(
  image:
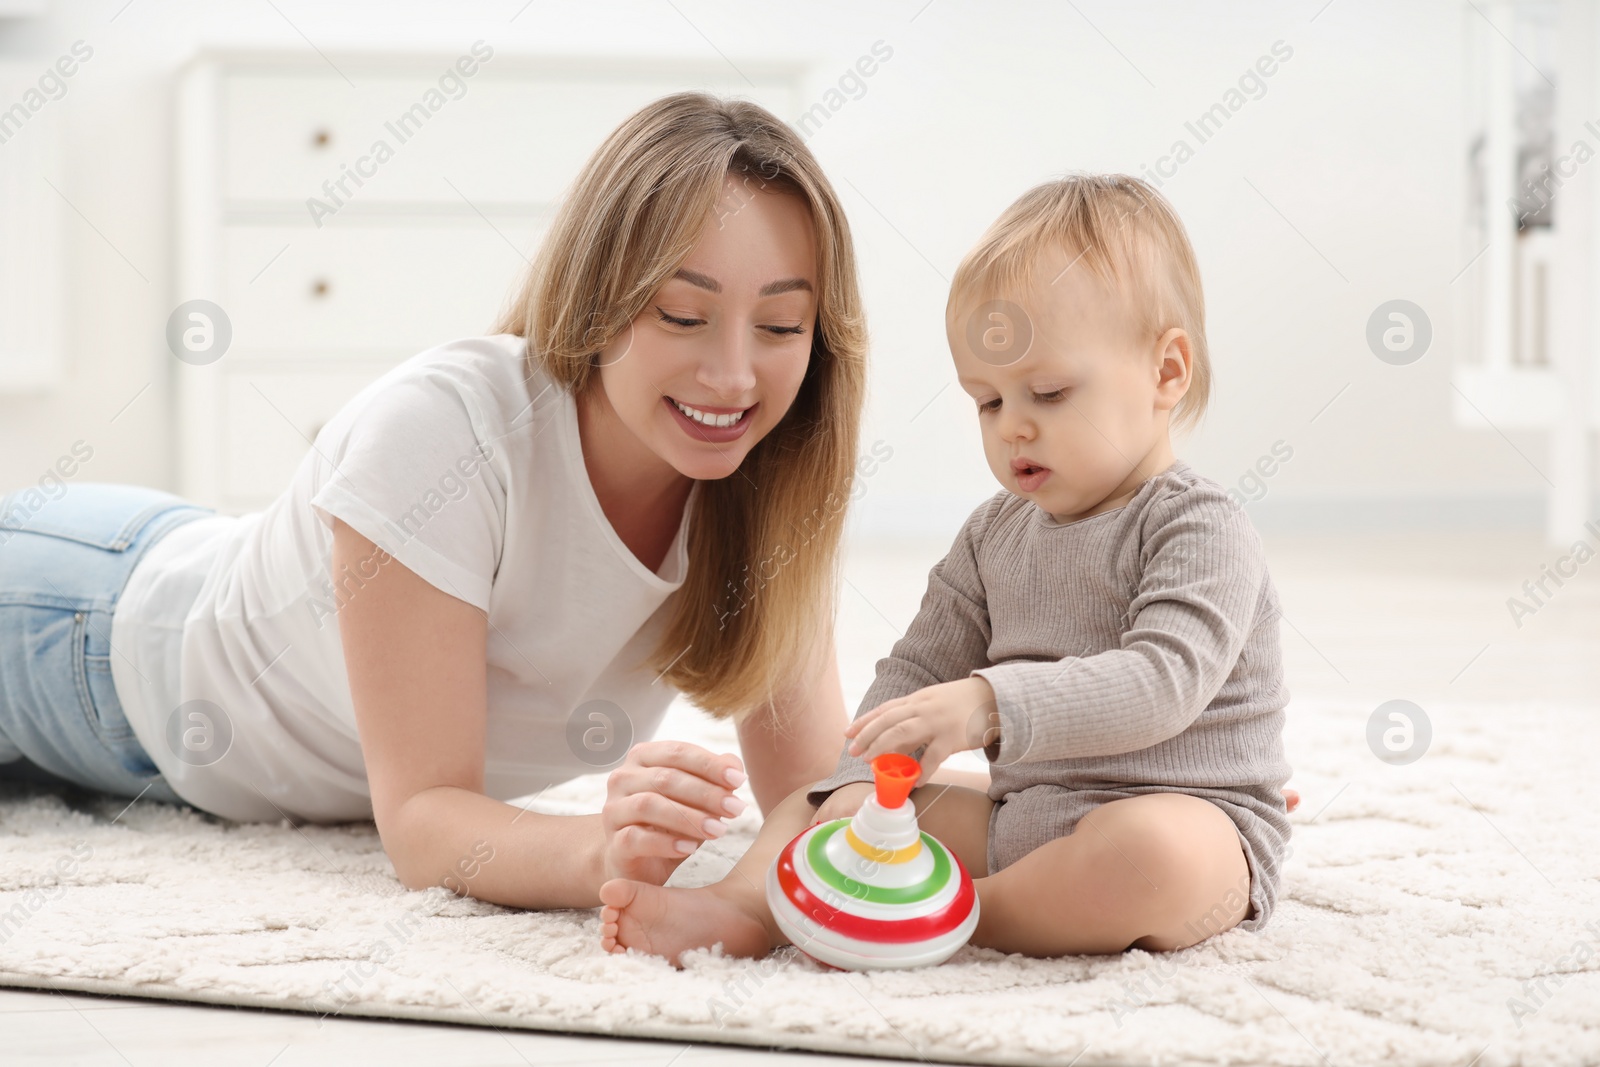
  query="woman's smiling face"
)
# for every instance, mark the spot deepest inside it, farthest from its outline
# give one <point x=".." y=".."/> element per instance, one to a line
<point x="728" y="336"/>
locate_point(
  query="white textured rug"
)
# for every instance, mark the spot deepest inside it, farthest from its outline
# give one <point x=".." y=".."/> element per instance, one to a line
<point x="1443" y="912"/>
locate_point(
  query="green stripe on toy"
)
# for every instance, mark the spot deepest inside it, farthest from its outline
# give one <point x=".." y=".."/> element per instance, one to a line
<point x="816" y="853"/>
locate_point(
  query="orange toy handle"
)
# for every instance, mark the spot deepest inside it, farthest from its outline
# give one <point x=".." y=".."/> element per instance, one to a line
<point x="895" y="774"/>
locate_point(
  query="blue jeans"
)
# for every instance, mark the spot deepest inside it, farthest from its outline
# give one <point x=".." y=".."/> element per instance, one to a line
<point x="64" y="560"/>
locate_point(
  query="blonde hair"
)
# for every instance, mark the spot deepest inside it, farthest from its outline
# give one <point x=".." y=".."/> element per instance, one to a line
<point x="631" y="218"/>
<point x="1123" y="231"/>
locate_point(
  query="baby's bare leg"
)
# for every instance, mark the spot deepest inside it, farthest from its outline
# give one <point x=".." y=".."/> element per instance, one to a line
<point x="1159" y="871"/>
<point x="668" y="922"/>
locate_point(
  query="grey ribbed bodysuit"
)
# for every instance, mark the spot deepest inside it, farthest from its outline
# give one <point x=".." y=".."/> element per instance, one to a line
<point x="1134" y="651"/>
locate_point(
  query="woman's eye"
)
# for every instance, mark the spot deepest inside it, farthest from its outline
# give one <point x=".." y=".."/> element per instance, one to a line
<point x="785" y="329"/>
<point x="1052" y="397"/>
<point x="676" y="321"/>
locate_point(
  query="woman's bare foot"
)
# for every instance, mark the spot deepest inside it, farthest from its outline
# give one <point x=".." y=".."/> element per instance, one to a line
<point x="669" y="922"/>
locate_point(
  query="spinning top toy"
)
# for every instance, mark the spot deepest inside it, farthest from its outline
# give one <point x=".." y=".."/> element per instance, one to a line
<point x="874" y="891"/>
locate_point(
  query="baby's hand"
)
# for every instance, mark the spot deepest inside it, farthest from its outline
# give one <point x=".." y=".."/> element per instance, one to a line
<point x="939" y="716"/>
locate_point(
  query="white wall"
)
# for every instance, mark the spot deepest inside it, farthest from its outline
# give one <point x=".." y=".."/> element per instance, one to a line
<point x="1357" y="141"/>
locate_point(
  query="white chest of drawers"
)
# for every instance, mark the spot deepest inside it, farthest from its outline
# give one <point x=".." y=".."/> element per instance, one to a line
<point x="347" y="213"/>
<point x="31" y="236"/>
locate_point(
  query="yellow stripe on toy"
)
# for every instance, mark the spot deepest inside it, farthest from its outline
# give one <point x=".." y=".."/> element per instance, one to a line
<point x="882" y="855"/>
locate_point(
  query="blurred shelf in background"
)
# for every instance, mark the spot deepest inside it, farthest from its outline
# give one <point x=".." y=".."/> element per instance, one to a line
<point x="30" y="232"/>
<point x="345" y="213"/>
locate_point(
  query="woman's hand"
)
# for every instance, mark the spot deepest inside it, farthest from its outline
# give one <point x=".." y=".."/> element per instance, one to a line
<point x="843" y="802"/>
<point x="942" y="717"/>
<point x="662" y="795"/>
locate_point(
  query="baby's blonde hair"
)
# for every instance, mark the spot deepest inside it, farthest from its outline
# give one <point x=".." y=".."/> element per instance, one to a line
<point x="1123" y="231"/>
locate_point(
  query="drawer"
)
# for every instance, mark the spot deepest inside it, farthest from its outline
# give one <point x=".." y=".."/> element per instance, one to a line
<point x="367" y="288"/>
<point x="510" y="138"/>
<point x="269" y="415"/>
<point x="407" y="261"/>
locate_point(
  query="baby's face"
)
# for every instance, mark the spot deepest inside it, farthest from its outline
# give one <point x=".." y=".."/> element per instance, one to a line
<point x="1081" y="404"/>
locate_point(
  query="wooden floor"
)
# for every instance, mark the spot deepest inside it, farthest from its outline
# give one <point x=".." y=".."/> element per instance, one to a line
<point x="74" y="1028"/>
<point x="1420" y="617"/>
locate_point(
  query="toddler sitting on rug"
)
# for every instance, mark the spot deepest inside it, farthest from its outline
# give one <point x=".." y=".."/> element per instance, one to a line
<point x="1104" y="628"/>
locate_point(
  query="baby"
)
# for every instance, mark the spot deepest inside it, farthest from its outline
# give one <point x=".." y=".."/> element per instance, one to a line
<point x="1104" y="628"/>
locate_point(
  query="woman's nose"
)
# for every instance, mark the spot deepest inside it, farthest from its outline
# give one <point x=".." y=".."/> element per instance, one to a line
<point x="727" y="369"/>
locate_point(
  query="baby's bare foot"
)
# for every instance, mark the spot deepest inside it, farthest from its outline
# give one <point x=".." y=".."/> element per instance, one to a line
<point x="669" y="922"/>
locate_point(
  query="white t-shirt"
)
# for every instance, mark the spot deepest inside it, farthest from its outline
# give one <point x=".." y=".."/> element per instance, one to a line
<point x="473" y="478"/>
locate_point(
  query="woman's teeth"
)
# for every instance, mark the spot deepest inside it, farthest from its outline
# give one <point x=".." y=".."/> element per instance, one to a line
<point x="708" y="419"/>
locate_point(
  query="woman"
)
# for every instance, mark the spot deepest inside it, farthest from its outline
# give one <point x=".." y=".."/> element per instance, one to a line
<point x="501" y="560"/>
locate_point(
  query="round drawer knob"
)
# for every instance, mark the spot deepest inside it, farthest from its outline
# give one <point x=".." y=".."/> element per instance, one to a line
<point x="321" y="138"/>
<point x="319" y="288"/>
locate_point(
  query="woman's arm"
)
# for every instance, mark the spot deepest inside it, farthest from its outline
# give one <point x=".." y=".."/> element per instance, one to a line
<point x="796" y="740"/>
<point x="416" y="660"/>
<point x="781" y="761"/>
<point x="417" y="668"/>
